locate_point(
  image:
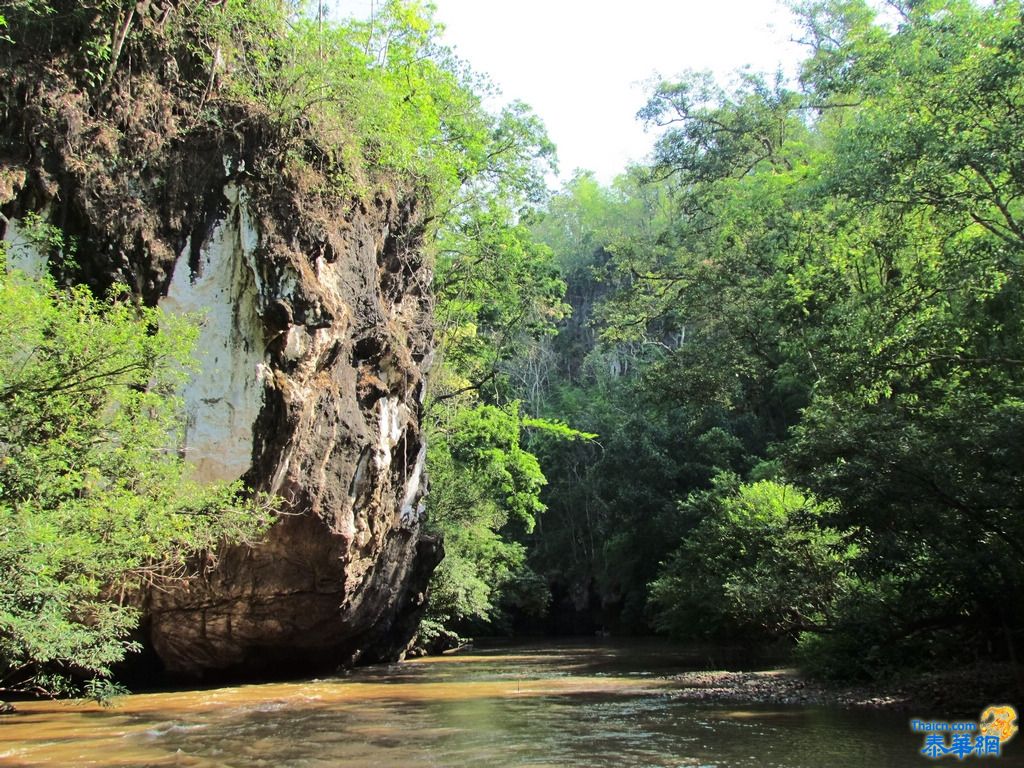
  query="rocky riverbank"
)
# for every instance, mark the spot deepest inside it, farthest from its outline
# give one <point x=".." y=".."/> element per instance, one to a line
<point x="949" y="693"/>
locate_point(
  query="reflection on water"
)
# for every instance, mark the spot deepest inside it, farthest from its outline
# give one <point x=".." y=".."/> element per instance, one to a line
<point x="554" y="706"/>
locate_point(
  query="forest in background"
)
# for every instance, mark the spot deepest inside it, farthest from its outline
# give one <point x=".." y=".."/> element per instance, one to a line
<point x="765" y="389"/>
<point x="797" y="336"/>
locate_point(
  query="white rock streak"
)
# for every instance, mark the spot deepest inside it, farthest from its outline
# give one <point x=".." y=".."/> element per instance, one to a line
<point x="223" y="399"/>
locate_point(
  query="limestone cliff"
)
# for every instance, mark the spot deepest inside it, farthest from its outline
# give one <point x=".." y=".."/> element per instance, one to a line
<point x="315" y="313"/>
<point x="311" y="376"/>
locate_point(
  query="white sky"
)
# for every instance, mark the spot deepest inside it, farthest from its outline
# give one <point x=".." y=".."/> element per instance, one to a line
<point x="582" y="65"/>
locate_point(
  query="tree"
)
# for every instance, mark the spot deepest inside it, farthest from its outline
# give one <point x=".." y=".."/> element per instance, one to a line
<point x="761" y="562"/>
<point x="498" y="294"/>
<point x="95" y="501"/>
<point x="919" y="351"/>
<point x="482" y="481"/>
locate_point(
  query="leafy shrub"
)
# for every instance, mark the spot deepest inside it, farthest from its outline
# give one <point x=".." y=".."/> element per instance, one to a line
<point x="760" y="562"/>
<point x="95" y="501"/>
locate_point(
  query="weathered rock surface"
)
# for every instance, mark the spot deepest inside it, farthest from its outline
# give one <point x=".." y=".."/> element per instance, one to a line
<point x="311" y="380"/>
<point x="315" y="339"/>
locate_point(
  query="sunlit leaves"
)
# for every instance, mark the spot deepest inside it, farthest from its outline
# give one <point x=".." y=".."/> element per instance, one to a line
<point x="94" y="499"/>
<point x="762" y="560"/>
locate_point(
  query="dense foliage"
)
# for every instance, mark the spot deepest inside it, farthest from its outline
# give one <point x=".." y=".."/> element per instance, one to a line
<point x="354" y="100"/>
<point x="817" y="292"/>
<point x="94" y="498"/>
<point x="498" y="292"/>
<point x="757" y="560"/>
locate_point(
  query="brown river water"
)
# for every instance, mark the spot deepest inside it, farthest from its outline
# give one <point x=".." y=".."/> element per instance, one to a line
<point x="554" y="705"/>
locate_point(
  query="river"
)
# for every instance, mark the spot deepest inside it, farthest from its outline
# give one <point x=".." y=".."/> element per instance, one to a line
<point x="556" y="705"/>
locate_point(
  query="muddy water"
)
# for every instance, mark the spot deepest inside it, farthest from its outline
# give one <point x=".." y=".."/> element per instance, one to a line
<point x="543" y="706"/>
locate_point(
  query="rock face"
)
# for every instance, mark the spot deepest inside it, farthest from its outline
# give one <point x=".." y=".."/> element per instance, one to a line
<point x="310" y="386"/>
<point x="316" y="335"/>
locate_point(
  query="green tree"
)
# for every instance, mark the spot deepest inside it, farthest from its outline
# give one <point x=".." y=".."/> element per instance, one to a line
<point x="817" y="285"/>
<point x="760" y="562"/>
<point x="95" y="502"/>
<point x="498" y="294"/>
<point x="919" y="388"/>
<point x="675" y="352"/>
<point x="482" y="481"/>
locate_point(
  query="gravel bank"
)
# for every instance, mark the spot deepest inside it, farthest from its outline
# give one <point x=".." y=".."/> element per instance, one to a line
<point x="962" y="691"/>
